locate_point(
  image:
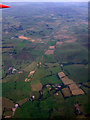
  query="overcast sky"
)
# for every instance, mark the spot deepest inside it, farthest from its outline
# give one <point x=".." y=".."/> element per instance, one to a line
<point x="44" y="0"/>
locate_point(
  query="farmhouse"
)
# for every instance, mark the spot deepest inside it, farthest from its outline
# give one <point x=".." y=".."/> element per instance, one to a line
<point x="61" y="75"/>
<point x="57" y="94"/>
<point x="47" y="85"/>
<point x="66" y="81"/>
<point x="16" y="105"/>
<point x="14" y="69"/>
<point x="77" y="109"/>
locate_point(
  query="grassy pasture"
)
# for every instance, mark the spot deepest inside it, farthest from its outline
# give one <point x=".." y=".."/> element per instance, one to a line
<point x="69" y="52"/>
<point x="50" y="80"/>
<point x="54" y="67"/>
<point x="45" y="93"/>
<point x="15" y="77"/>
<point x="16" y="91"/>
<point x="78" y="73"/>
<point x="31" y="67"/>
<point x="39" y="74"/>
<point x="28" y="110"/>
<point x="49" y="58"/>
<point x="35" y="110"/>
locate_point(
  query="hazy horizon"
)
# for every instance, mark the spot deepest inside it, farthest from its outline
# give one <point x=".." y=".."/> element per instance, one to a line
<point x="45" y="1"/>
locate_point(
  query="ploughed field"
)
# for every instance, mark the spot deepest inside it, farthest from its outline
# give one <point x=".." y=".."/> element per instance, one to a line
<point x="45" y="61"/>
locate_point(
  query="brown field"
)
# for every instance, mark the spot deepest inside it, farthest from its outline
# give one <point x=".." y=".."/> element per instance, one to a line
<point x="66" y="81"/>
<point x="77" y="92"/>
<point x="73" y="87"/>
<point x="61" y="74"/>
<point x="59" y="43"/>
<point x="26" y="38"/>
<point x="66" y="92"/>
<point x="22" y="37"/>
<point x="32" y="40"/>
<point x="49" y="52"/>
<point x="51" y="47"/>
<point x="69" y="41"/>
<point x="6" y="103"/>
<point x="36" y="87"/>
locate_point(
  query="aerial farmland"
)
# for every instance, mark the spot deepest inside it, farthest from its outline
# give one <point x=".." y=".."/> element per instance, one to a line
<point x="45" y="61"/>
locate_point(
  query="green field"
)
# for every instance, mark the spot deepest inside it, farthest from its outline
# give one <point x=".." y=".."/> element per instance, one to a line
<point x="78" y="73"/>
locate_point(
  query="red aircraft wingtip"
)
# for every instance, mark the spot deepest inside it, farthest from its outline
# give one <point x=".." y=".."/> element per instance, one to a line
<point x="4" y="6"/>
